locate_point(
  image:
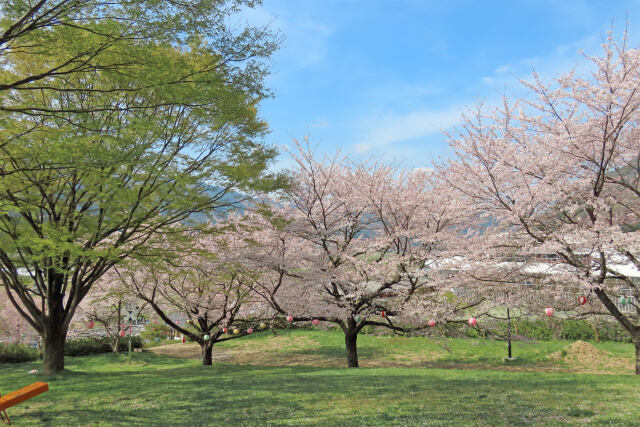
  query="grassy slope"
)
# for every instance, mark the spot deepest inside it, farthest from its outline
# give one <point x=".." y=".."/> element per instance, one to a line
<point x="158" y="390"/>
<point x="326" y="349"/>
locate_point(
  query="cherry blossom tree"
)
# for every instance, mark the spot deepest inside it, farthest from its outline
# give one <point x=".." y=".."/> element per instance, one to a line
<point x="105" y="305"/>
<point x="208" y="284"/>
<point x="557" y="174"/>
<point x="353" y="244"/>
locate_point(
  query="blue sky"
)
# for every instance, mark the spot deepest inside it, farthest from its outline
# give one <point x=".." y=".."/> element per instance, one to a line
<point x="382" y="78"/>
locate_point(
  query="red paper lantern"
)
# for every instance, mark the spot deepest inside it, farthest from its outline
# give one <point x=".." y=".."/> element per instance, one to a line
<point x="431" y="323"/>
<point x="315" y="322"/>
<point x="90" y="324"/>
<point x="250" y="330"/>
<point x="383" y="313"/>
<point x="549" y="311"/>
<point x="582" y="300"/>
<point x="289" y="318"/>
<point x="225" y="330"/>
<point x="472" y="321"/>
<point x="122" y="333"/>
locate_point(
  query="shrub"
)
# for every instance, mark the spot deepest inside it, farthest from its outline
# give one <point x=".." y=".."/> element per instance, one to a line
<point x="565" y="329"/>
<point x="577" y="330"/>
<point x="136" y="342"/>
<point x="451" y="330"/>
<point x="535" y="329"/>
<point x="17" y="353"/>
<point x="87" y="346"/>
<point x="613" y="331"/>
<point x="473" y="333"/>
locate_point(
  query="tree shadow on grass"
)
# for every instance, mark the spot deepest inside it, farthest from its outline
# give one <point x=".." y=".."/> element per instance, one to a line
<point x="228" y="394"/>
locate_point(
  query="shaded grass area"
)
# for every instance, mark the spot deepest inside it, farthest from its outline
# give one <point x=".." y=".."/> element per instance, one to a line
<point x="104" y="390"/>
<point x="158" y="390"/>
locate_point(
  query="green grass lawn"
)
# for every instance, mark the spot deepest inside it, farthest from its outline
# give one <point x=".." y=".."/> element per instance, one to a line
<point x="158" y="390"/>
<point x="326" y="349"/>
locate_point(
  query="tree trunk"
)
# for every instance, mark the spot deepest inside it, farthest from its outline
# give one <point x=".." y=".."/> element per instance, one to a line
<point x="637" y="343"/>
<point x="207" y="352"/>
<point x="55" y="325"/>
<point x="54" y="340"/>
<point x="509" y="332"/>
<point x="351" y="341"/>
<point x="116" y="336"/>
<point x="624" y="321"/>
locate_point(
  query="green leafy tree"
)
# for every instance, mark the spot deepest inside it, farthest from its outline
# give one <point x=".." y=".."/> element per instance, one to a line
<point x="90" y="177"/>
<point x="79" y="37"/>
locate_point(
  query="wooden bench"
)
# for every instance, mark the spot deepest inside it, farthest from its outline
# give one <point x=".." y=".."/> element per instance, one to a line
<point x="15" y="397"/>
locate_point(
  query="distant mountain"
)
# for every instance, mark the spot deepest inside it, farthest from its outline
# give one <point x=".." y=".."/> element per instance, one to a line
<point x="231" y="201"/>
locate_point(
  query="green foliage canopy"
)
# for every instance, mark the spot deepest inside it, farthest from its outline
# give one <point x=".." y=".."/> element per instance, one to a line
<point x="95" y="163"/>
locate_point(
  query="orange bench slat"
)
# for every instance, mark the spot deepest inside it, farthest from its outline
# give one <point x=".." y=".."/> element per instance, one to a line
<point x="15" y="397"/>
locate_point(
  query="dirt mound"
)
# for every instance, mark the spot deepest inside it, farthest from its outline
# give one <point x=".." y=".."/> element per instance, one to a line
<point x="581" y="353"/>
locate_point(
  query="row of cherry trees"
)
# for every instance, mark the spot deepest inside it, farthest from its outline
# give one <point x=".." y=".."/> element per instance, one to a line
<point x="349" y="244"/>
<point x="358" y="244"/>
<point x="365" y="243"/>
<point x="556" y="173"/>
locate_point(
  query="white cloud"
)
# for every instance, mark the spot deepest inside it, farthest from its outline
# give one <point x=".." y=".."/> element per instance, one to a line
<point x="383" y="130"/>
<point x="321" y="123"/>
<point x="306" y="41"/>
<point x="392" y="127"/>
<point x="305" y="38"/>
<point x="402" y="92"/>
<point x="562" y="59"/>
<point x="380" y="130"/>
